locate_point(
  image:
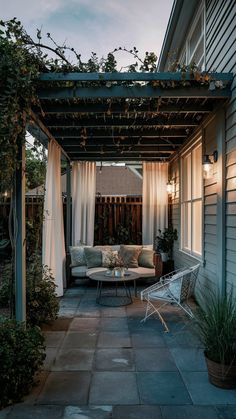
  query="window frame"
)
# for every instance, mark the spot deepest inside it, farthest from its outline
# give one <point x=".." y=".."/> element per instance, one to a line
<point x="183" y="201"/>
<point x="185" y="51"/>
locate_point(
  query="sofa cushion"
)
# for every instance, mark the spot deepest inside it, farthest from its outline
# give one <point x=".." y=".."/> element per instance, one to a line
<point x="146" y="258"/>
<point x="129" y="254"/>
<point x="93" y="257"/>
<point x="109" y="258"/>
<point x="77" y="255"/>
<point x="79" y="271"/>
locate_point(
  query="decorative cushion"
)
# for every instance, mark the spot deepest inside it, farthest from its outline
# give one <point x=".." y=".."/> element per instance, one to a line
<point x="77" y="255"/>
<point x="109" y="258"/>
<point x="146" y="258"/>
<point x="93" y="257"/>
<point x="129" y="255"/>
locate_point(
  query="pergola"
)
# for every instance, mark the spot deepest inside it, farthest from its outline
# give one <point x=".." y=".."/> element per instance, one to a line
<point x="127" y="117"/>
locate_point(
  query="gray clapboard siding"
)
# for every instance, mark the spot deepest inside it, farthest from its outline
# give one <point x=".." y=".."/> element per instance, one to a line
<point x="231" y="233"/>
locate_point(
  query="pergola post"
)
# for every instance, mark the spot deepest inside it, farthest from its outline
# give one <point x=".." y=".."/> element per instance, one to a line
<point x="20" y="254"/>
<point x="68" y="206"/>
<point x="68" y="221"/>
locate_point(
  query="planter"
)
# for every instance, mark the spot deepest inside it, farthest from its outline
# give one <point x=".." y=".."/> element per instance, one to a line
<point x="221" y="375"/>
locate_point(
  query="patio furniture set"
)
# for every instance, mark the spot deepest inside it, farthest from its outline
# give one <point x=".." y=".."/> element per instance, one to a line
<point x="95" y="263"/>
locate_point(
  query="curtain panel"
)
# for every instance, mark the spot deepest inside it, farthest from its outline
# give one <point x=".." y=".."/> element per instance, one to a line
<point x="53" y="252"/>
<point x="155" y="200"/>
<point x="83" y="202"/>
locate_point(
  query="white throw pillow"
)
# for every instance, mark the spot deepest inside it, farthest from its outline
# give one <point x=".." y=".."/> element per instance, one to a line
<point x="109" y="258"/>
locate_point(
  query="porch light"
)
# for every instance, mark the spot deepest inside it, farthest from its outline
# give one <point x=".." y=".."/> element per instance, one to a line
<point x="170" y="186"/>
<point x="207" y="164"/>
<point x="100" y="169"/>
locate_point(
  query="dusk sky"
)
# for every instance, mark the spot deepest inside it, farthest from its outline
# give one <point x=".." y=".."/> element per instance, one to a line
<point x="95" y="25"/>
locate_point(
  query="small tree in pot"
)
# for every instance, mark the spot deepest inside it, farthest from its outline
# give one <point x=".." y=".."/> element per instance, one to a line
<point x="164" y="243"/>
<point x="215" y="321"/>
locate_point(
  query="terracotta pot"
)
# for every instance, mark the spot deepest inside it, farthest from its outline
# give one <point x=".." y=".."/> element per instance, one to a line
<point x="221" y="375"/>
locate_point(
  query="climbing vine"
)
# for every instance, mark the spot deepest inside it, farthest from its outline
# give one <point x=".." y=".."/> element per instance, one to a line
<point x="21" y="61"/>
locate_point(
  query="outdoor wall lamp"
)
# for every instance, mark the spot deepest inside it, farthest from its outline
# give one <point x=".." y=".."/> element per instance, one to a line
<point x="207" y="164"/>
<point x="170" y="186"/>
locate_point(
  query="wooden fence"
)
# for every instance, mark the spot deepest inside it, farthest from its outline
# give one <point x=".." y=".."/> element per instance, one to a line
<point x="117" y="219"/>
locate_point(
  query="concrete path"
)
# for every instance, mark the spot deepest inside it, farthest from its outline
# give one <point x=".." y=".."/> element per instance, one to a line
<point x="103" y="363"/>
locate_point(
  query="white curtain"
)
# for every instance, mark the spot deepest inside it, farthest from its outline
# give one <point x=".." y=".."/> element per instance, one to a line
<point x="53" y="230"/>
<point x="83" y="202"/>
<point x="155" y="200"/>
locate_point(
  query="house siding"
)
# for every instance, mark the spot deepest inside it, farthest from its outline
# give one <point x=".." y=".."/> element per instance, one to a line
<point x="219" y="201"/>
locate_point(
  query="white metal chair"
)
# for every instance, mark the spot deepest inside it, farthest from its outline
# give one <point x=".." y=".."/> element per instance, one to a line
<point x="174" y="288"/>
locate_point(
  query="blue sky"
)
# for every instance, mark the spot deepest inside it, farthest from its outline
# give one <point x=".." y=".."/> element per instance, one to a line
<point x="95" y="25"/>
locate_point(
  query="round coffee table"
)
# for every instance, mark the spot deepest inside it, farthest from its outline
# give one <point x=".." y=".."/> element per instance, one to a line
<point x="113" y="298"/>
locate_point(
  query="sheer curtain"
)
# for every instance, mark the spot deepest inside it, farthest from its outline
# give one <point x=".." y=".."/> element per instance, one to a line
<point x="83" y="202"/>
<point x="53" y="230"/>
<point x="155" y="199"/>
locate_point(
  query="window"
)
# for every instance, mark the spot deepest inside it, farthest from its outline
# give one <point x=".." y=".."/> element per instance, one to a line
<point x="194" y="48"/>
<point x="191" y="201"/>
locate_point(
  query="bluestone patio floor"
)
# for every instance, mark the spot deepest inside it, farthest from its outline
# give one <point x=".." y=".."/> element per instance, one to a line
<point x="102" y="362"/>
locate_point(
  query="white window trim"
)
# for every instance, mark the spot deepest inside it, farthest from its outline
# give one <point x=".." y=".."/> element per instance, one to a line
<point x="185" y="49"/>
<point x="182" y="249"/>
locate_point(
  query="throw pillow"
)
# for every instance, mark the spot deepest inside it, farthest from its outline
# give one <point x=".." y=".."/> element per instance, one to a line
<point x="109" y="258"/>
<point x="93" y="257"/>
<point x="77" y="255"/>
<point x="129" y="255"/>
<point x="146" y="258"/>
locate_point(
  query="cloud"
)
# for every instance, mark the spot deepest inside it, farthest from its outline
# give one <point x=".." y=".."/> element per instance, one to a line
<point x="96" y="25"/>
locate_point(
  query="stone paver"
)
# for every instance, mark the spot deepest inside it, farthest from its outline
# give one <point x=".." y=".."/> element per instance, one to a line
<point x="202" y="392"/>
<point x="94" y="412"/>
<point x="104" y="363"/>
<point x="154" y="359"/>
<point x="114" y="388"/>
<point x="187" y="412"/>
<point x="114" y="360"/>
<point x="65" y="388"/>
<point x="53" y="339"/>
<point x="80" y="340"/>
<point x="74" y="360"/>
<point x="114" y="340"/>
<point x="162" y="388"/>
<point x="137" y="412"/>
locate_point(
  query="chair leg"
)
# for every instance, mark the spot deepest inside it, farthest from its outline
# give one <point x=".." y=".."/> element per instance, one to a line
<point x="155" y="310"/>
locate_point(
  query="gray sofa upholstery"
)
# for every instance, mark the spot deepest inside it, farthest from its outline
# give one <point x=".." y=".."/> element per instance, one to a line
<point x="83" y="271"/>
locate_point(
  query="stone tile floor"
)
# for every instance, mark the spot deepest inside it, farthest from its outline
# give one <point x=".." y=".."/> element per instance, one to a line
<point x="102" y="362"/>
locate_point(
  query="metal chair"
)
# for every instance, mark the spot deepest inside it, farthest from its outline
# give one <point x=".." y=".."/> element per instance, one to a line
<point x="174" y="288"/>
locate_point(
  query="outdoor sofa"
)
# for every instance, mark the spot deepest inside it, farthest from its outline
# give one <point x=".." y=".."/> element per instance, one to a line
<point x="86" y="260"/>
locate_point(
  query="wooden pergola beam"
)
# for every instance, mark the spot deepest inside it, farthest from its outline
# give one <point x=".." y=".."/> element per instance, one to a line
<point x="132" y="76"/>
<point x="104" y="92"/>
<point x="150" y="108"/>
<point x="119" y="122"/>
<point x="131" y="132"/>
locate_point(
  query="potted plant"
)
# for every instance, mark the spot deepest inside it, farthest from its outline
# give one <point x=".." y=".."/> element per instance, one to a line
<point x="164" y="243"/>
<point x="215" y="321"/>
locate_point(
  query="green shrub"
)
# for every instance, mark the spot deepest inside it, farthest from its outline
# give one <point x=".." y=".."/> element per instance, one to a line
<point x="42" y="304"/>
<point x="22" y="353"/>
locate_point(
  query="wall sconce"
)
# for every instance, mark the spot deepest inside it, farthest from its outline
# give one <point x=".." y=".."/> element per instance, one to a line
<point x="100" y="168"/>
<point x="207" y="164"/>
<point x="170" y="186"/>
